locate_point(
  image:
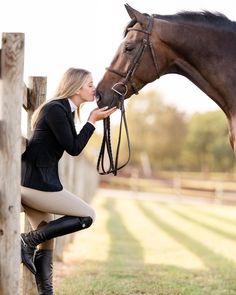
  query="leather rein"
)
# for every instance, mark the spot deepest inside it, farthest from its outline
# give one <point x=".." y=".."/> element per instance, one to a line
<point x="106" y="147"/>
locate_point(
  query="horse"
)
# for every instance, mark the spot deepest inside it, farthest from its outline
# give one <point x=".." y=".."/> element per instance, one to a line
<point x="198" y="45"/>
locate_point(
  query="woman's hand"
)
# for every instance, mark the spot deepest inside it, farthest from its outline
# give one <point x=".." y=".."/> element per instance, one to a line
<point x="100" y="114"/>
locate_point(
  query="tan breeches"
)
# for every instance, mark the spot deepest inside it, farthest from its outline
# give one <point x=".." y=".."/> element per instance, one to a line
<point x="40" y="206"/>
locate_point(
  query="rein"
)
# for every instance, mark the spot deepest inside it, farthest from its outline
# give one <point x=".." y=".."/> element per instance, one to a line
<point x="106" y="145"/>
<point x="125" y="79"/>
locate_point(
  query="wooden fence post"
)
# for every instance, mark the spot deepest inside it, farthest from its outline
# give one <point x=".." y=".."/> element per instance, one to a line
<point x="11" y="94"/>
<point x="36" y="95"/>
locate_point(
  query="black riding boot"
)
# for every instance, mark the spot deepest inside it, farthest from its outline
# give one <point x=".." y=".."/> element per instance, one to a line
<point x="59" y="227"/>
<point x="44" y="275"/>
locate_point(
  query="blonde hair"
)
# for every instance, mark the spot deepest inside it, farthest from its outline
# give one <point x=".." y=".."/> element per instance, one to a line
<point x="72" y="80"/>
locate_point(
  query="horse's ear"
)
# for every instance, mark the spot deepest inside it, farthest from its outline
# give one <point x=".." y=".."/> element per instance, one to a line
<point x="134" y="14"/>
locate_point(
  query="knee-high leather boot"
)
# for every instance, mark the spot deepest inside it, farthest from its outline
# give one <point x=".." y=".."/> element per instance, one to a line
<point x="44" y="275"/>
<point x="59" y="227"/>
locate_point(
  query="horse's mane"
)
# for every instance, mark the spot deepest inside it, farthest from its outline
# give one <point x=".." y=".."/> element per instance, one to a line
<point x="204" y="17"/>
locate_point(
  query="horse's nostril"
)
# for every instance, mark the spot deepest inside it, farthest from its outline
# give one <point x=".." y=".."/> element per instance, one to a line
<point x="98" y="96"/>
<point x="99" y="99"/>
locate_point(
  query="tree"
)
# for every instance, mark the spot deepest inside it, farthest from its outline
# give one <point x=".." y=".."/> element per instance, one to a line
<point x="156" y="129"/>
<point x="207" y="146"/>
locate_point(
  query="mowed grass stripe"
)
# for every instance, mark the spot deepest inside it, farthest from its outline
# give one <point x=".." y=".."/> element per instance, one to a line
<point x="123" y="269"/>
<point x="225" y="230"/>
<point x="120" y="237"/>
<point x="224" y="217"/>
<point x="94" y="242"/>
<point x="158" y="247"/>
<point x="208" y="238"/>
<point x="224" y="221"/>
<point x="224" y="211"/>
<point x="123" y="272"/>
<point x="221" y="270"/>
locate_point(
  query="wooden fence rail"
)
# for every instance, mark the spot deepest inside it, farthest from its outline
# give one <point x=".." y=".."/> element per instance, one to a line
<point x="216" y="191"/>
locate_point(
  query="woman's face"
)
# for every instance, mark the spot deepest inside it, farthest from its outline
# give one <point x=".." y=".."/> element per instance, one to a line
<point x="87" y="91"/>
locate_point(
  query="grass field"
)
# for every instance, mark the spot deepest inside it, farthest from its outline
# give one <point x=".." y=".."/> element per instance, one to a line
<point x="154" y="248"/>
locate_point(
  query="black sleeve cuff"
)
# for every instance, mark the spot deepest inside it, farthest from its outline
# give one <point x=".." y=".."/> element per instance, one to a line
<point x="90" y="126"/>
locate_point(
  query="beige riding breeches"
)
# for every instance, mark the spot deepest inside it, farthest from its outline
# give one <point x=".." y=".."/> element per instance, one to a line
<point x="40" y="205"/>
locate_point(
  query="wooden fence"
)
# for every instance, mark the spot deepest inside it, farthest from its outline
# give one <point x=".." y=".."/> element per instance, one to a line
<point x="215" y="191"/>
<point x="74" y="171"/>
<point x="11" y="96"/>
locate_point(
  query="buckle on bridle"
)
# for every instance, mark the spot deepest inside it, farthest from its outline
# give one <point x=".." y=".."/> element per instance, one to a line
<point x="118" y="92"/>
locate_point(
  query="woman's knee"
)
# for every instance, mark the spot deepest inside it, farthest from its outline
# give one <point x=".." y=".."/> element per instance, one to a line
<point x="89" y="220"/>
<point x="92" y="215"/>
<point x="88" y="216"/>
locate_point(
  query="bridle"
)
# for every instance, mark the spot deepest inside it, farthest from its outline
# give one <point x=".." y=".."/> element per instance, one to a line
<point x="137" y="59"/>
<point x="126" y="78"/>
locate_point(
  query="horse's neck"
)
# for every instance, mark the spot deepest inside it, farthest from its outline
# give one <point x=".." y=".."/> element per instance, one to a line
<point x="197" y="43"/>
<point x="202" y="55"/>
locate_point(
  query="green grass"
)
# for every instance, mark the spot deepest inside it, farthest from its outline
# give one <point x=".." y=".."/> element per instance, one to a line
<point x="146" y="247"/>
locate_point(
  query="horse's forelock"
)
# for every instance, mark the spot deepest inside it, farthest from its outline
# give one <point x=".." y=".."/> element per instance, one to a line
<point x="130" y="25"/>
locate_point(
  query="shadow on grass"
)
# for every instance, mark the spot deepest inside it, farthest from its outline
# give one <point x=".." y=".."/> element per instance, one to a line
<point x="222" y="265"/>
<point x="125" y="273"/>
<point x="204" y="224"/>
<point x="217" y="216"/>
<point x="122" y="242"/>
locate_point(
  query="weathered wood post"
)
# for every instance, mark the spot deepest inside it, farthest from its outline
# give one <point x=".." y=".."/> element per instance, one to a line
<point x="37" y="89"/>
<point x="11" y="94"/>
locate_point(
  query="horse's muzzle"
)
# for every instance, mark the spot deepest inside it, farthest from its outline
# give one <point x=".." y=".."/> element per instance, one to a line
<point x="99" y="99"/>
<point x="112" y="101"/>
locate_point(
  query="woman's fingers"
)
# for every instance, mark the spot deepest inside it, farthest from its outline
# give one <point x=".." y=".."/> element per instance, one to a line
<point x="102" y="113"/>
<point x="111" y="110"/>
<point x="108" y="112"/>
<point x="104" y="108"/>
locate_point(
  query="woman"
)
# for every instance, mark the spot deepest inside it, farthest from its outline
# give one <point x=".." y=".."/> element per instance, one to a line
<point x="42" y="193"/>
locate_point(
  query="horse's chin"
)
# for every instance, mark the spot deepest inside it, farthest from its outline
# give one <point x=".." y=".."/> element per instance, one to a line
<point x="129" y="94"/>
<point x="110" y="99"/>
<point x="110" y="103"/>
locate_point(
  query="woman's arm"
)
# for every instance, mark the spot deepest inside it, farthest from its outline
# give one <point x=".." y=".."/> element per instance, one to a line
<point x="58" y="121"/>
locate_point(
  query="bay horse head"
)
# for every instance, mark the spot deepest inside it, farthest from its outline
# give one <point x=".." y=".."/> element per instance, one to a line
<point x="198" y="45"/>
<point x="135" y="63"/>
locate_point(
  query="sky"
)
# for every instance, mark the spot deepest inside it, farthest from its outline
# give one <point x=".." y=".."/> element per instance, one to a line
<point x="71" y="33"/>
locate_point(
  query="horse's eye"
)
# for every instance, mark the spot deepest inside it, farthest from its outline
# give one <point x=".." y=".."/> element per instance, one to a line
<point x="128" y="48"/>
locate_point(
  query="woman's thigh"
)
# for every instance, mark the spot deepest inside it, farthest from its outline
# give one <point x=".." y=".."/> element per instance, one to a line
<point x="62" y="202"/>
